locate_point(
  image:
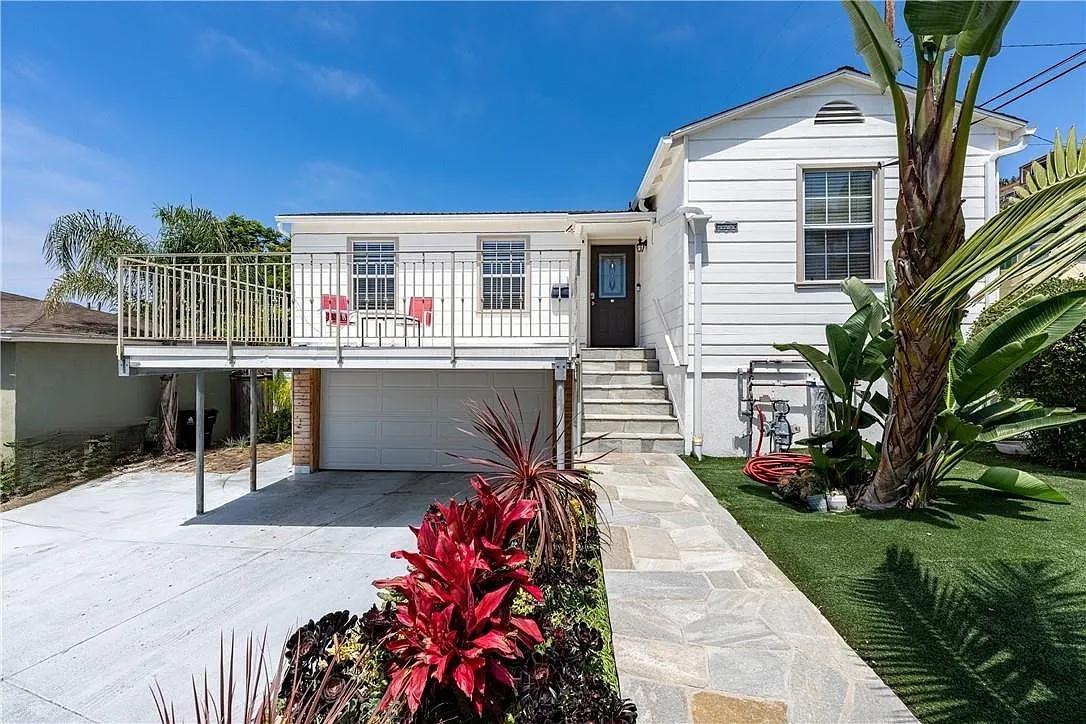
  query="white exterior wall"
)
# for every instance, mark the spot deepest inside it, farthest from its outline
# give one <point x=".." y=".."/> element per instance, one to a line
<point x="426" y="268"/>
<point x="747" y="170"/>
<point x="662" y="277"/>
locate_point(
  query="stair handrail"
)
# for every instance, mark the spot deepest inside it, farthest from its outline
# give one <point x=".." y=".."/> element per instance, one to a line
<point x="667" y="332"/>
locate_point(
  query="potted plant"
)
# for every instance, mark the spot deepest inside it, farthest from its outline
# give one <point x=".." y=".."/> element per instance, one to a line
<point x="836" y="501"/>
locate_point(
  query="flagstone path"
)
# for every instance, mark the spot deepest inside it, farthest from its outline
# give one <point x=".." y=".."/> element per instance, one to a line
<point x="706" y="628"/>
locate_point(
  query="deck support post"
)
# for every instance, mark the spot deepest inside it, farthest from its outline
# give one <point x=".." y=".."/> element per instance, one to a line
<point x="560" y="412"/>
<point x="252" y="429"/>
<point x="200" y="399"/>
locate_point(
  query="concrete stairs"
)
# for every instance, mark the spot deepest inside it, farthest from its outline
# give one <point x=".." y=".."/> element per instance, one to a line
<point x="625" y="399"/>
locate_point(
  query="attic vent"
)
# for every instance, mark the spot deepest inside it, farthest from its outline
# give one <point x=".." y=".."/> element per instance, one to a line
<point x="838" y="112"/>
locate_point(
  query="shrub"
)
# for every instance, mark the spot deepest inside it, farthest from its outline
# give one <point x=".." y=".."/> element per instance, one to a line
<point x="338" y="652"/>
<point x="1056" y="377"/>
<point x="455" y="631"/>
<point x="560" y="682"/>
<point x="274" y="426"/>
<point x="525" y="470"/>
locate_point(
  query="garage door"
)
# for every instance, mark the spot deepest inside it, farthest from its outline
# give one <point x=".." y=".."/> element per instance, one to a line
<point x="407" y="420"/>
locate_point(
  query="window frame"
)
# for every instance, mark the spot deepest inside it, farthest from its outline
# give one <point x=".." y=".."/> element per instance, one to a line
<point x="354" y="299"/>
<point x="481" y="276"/>
<point x="877" y="219"/>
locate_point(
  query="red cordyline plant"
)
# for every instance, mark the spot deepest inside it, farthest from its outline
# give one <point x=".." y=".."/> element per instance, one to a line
<point x="455" y="629"/>
<point x="525" y="469"/>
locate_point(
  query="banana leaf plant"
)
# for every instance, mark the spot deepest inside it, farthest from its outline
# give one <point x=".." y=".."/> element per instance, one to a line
<point x="975" y="413"/>
<point x="858" y="356"/>
<point x="937" y="269"/>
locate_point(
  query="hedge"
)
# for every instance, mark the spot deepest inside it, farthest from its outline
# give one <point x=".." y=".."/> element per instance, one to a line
<point x="1056" y="377"/>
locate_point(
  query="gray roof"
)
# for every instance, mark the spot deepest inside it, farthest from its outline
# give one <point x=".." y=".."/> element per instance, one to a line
<point x="27" y="317"/>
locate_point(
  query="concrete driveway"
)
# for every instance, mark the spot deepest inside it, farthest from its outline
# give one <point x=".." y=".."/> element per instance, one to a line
<point x="115" y="584"/>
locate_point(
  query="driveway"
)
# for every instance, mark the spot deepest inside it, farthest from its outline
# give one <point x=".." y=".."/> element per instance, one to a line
<point x="115" y="584"/>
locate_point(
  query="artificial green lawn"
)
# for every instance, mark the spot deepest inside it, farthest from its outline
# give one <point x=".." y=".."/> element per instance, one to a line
<point x="973" y="610"/>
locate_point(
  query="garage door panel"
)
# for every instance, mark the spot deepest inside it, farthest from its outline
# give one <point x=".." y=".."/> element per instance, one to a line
<point x="406" y="420"/>
<point x="421" y="378"/>
<point x="352" y="401"/>
<point x="395" y="433"/>
<point x="515" y="378"/>
<point x="466" y="378"/>
<point x="402" y="400"/>
<point x="409" y="457"/>
<point x="362" y="458"/>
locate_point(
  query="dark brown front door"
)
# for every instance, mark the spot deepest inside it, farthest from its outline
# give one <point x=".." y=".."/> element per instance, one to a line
<point x="612" y="300"/>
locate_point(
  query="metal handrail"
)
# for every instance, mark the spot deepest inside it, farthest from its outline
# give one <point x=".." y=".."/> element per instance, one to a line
<point x="274" y="298"/>
<point x="667" y="332"/>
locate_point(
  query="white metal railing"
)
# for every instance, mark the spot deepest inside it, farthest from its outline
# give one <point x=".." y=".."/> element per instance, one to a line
<point x="374" y="298"/>
<point x="667" y="332"/>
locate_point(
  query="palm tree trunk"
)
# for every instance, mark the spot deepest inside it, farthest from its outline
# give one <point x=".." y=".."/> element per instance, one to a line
<point x="921" y="351"/>
<point x="167" y="414"/>
<point x="919" y="380"/>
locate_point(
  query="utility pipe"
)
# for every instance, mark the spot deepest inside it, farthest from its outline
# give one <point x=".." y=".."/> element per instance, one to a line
<point x="696" y="221"/>
<point x="1018" y="142"/>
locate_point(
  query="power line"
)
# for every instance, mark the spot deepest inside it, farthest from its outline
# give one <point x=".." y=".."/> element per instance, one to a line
<point x="1034" y="88"/>
<point x="1043" y="45"/>
<point x="1032" y="77"/>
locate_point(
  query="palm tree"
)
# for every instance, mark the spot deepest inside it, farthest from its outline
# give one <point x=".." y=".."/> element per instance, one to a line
<point x="936" y="268"/>
<point x="84" y="247"/>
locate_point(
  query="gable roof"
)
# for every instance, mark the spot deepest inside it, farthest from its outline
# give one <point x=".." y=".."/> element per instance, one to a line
<point x="1001" y="120"/>
<point x="845" y="71"/>
<point x="24" y="318"/>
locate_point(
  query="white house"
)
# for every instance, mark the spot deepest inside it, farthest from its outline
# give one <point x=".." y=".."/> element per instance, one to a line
<point x="643" y="324"/>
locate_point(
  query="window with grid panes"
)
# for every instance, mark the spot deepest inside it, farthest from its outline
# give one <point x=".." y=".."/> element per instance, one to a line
<point x="503" y="274"/>
<point x="374" y="275"/>
<point x="838" y="224"/>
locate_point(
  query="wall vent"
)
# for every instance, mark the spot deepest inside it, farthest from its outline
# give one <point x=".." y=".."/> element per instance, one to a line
<point x="838" y="112"/>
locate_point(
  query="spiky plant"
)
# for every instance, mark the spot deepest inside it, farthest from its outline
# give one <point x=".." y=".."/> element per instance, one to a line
<point x="525" y="469"/>
<point x="260" y="701"/>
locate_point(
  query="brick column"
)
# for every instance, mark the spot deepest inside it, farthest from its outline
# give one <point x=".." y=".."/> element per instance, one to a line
<point x="306" y="401"/>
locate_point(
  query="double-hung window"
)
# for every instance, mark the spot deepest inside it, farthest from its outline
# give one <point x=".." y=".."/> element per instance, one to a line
<point x="839" y="233"/>
<point x="374" y="275"/>
<point x="503" y="274"/>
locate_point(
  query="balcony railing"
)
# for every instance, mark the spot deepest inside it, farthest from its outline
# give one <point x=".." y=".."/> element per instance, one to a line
<point x="376" y="298"/>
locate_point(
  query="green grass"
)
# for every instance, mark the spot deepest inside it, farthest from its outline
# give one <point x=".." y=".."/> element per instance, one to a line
<point x="972" y="611"/>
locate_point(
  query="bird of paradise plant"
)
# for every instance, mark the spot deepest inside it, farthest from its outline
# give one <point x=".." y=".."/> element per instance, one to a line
<point x="937" y="269"/>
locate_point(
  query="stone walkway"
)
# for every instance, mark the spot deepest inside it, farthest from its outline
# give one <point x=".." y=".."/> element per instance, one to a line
<point x="706" y="628"/>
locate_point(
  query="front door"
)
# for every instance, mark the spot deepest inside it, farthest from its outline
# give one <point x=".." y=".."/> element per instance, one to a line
<point x="612" y="300"/>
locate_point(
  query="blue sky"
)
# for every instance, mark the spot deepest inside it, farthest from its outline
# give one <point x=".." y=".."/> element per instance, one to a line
<point x="271" y="108"/>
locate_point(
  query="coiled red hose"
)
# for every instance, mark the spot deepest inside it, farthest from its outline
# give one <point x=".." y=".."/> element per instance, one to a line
<point x="769" y="469"/>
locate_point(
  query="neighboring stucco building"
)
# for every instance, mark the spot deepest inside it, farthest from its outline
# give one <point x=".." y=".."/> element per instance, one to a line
<point x="58" y="379"/>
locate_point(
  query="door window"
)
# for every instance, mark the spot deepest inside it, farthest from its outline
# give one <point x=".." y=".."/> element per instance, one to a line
<point x="612" y="279"/>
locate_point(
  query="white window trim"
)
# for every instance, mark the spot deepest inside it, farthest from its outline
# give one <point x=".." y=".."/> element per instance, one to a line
<point x="527" y="272"/>
<point x="395" y="241"/>
<point x="878" y="193"/>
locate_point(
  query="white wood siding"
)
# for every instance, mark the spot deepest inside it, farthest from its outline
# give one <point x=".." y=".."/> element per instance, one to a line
<point x="746" y="170"/>
<point x="662" y="275"/>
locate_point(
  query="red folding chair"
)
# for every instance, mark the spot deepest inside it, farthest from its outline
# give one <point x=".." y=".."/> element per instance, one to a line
<point x="421" y="309"/>
<point x="337" y="310"/>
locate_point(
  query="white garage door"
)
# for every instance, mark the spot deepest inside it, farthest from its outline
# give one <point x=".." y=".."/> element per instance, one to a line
<point x="407" y="420"/>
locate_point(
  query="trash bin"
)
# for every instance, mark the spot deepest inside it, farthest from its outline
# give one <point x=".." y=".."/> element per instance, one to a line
<point x="186" y="428"/>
